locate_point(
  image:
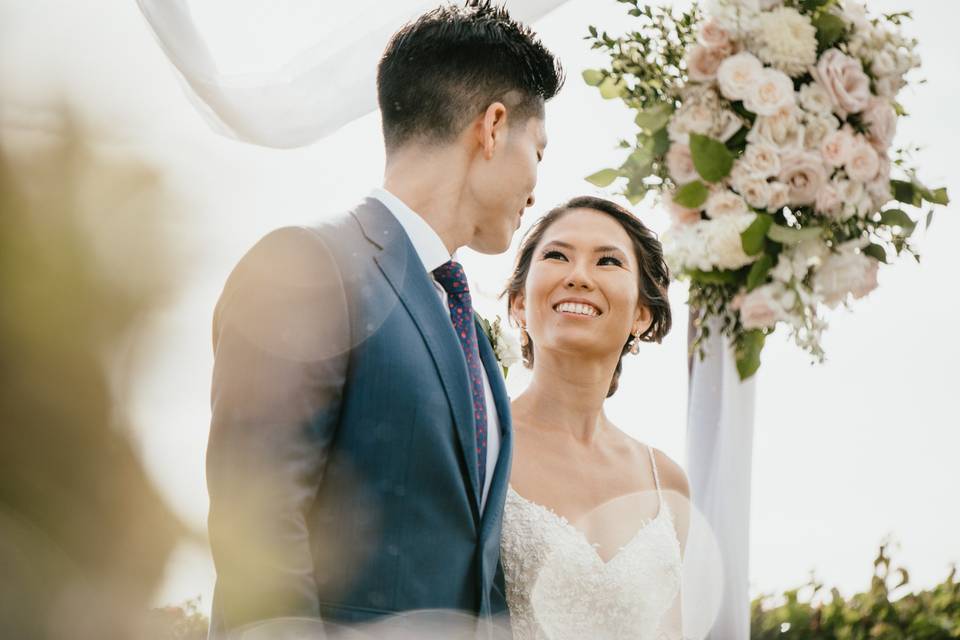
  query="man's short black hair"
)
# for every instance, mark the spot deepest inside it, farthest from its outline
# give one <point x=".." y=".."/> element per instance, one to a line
<point x="446" y="67"/>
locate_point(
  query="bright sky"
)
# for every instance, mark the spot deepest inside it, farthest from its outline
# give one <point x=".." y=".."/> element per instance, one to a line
<point x="845" y="453"/>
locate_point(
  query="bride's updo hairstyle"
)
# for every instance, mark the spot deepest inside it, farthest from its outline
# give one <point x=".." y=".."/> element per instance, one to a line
<point x="653" y="281"/>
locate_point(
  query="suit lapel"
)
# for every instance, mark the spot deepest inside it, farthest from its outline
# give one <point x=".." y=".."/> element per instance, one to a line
<point x="501" y="472"/>
<point x="402" y="267"/>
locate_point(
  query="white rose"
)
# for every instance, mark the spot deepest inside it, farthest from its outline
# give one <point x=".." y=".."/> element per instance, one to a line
<point x="883" y="64"/>
<point x="680" y="164"/>
<point x="691" y="118"/>
<point x="863" y="163"/>
<point x="782" y="130"/>
<point x="844" y="79"/>
<point x="843" y="273"/>
<point x="737" y="75"/>
<point x="804" y="174"/>
<point x="881" y="120"/>
<point x="815" y="99"/>
<point x="723" y="242"/>
<point x="855" y="13"/>
<point x="756" y="192"/>
<point x="762" y="159"/>
<point x="508" y="349"/>
<point x="817" y="128"/>
<point x="785" y="39"/>
<point x="836" y="147"/>
<point x="772" y="91"/>
<point x="724" y="202"/>
<point x="779" y="196"/>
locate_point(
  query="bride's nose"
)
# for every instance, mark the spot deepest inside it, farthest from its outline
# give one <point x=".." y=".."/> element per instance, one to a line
<point x="577" y="278"/>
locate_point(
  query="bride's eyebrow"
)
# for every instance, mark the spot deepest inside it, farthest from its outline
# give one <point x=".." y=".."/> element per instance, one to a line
<point x="606" y="248"/>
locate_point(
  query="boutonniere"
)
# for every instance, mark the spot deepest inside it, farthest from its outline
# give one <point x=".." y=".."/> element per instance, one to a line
<point x="505" y="345"/>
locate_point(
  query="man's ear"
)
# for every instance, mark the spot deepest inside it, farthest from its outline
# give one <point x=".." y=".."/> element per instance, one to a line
<point x="492" y="128"/>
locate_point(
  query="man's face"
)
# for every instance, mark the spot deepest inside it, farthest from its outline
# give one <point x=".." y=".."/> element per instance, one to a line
<point x="501" y="187"/>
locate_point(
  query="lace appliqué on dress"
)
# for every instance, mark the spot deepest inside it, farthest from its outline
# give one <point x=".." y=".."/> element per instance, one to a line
<point x="559" y="588"/>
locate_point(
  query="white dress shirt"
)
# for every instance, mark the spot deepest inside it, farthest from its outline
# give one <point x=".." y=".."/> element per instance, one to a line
<point x="433" y="253"/>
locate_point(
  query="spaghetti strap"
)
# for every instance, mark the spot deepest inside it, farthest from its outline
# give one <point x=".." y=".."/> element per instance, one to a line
<point x="656" y="476"/>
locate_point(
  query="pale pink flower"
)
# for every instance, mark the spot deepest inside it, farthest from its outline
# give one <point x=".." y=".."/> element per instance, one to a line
<point x="804" y="174"/>
<point x="680" y="164"/>
<point x="836" y="147"/>
<point x="713" y="35"/>
<point x="863" y="163"/>
<point x="828" y="200"/>
<point x="724" y="202"/>
<point x="881" y="121"/>
<point x="738" y="74"/>
<point x="844" y="80"/>
<point x="759" y="309"/>
<point x="772" y="91"/>
<point x="703" y="62"/>
<point x="778" y="197"/>
<point x="680" y="215"/>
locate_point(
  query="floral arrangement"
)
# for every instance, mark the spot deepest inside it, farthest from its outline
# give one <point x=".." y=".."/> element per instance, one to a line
<point x="505" y="345"/>
<point x="766" y="128"/>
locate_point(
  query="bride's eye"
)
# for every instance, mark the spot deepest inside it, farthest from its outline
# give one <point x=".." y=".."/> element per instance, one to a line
<point x="613" y="260"/>
<point x="553" y="254"/>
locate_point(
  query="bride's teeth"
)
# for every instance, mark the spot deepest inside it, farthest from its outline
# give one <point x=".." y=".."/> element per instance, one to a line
<point x="574" y="307"/>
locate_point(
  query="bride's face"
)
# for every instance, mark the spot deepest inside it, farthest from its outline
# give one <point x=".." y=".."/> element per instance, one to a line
<point x="586" y="258"/>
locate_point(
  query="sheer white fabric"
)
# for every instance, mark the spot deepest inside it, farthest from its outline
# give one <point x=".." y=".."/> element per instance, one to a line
<point x="719" y="455"/>
<point x="558" y="586"/>
<point x="310" y="96"/>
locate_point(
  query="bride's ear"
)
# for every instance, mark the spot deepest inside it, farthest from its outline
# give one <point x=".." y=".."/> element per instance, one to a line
<point x="518" y="310"/>
<point x="642" y="320"/>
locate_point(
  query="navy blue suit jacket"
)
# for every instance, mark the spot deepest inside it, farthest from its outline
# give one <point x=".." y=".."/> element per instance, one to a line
<point x="341" y="463"/>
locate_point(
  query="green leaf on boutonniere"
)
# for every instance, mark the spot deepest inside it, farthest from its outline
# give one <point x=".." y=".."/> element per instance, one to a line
<point x="758" y="271"/>
<point x="747" y="350"/>
<point x="711" y="158"/>
<point x="786" y="235"/>
<point x="691" y="195"/>
<point x="603" y="178"/>
<point x="754" y="237"/>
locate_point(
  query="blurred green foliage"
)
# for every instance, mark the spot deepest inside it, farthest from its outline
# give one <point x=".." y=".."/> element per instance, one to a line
<point x="84" y="535"/>
<point x="881" y="613"/>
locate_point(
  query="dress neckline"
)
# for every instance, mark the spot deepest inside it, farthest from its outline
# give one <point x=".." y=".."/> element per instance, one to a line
<point x="563" y="521"/>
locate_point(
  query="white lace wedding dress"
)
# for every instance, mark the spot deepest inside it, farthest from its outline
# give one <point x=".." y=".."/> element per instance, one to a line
<point x="559" y="588"/>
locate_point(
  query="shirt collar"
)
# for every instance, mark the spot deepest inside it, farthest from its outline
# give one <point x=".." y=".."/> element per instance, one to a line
<point x="426" y="242"/>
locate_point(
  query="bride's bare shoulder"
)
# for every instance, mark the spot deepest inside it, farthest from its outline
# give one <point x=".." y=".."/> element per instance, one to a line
<point x="672" y="475"/>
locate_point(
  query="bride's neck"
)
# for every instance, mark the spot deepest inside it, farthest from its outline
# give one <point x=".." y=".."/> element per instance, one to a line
<point x="566" y="395"/>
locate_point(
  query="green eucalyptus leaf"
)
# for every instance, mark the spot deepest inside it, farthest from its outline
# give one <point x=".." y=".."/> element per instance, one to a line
<point x="691" y="195"/>
<point x="898" y="218"/>
<point x="876" y="251"/>
<point x="747" y="351"/>
<point x="758" y="271"/>
<point x="593" y="77"/>
<point x="936" y="196"/>
<point x="610" y="88"/>
<point x="714" y="277"/>
<point x="711" y="158"/>
<point x="654" y="118"/>
<point x="905" y="192"/>
<point x="603" y="178"/>
<point x="786" y="235"/>
<point x="754" y="236"/>
<point x="830" y="29"/>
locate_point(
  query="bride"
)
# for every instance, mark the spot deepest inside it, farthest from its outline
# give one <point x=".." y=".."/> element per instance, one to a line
<point x="595" y="522"/>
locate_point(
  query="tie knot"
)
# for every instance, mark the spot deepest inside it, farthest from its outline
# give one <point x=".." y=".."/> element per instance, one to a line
<point x="452" y="278"/>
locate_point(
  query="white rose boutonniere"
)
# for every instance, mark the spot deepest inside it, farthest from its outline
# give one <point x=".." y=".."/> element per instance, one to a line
<point x="505" y="345"/>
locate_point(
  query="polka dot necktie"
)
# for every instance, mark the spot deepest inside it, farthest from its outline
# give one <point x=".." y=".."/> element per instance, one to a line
<point x="451" y="277"/>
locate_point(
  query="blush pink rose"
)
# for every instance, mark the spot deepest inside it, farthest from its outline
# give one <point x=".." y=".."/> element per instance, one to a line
<point x="680" y="164"/>
<point x="836" y="147"/>
<point x="703" y="62"/>
<point x="713" y="35"/>
<point x="881" y="121"/>
<point x="863" y="163"/>
<point x="844" y="80"/>
<point x="803" y="173"/>
<point x="680" y="215"/>
<point x="759" y="309"/>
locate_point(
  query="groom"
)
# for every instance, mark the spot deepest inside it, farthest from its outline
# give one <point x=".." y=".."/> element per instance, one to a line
<point x="359" y="448"/>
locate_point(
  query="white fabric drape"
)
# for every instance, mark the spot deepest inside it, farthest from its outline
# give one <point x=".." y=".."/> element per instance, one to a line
<point x="719" y="454"/>
<point x="309" y="97"/>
